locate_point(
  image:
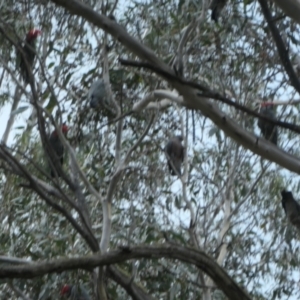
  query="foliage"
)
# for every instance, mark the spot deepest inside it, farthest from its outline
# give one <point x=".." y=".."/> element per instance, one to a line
<point x="227" y="203"/>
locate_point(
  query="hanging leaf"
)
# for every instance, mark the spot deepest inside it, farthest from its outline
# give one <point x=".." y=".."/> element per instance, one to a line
<point x="19" y="110"/>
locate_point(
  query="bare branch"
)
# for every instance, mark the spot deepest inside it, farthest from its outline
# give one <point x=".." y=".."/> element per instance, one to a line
<point x="195" y="23"/>
<point x="188" y="255"/>
<point x="80" y="197"/>
<point x="208" y="93"/>
<point x="10" y="122"/>
<point x="126" y="159"/>
<point x="161" y="94"/>
<point x="136" y="291"/>
<point x="13" y="260"/>
<point x="282" y="51"/>
<point x="290" y="7"/>
<point x="137" y="107"/>
<point x="5" y="154"/>
<point x="111" y="189"/>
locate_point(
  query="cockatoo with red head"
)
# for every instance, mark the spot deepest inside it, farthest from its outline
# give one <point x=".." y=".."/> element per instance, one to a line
<point x="74" y="292"/>
<point x="28" y="50"/>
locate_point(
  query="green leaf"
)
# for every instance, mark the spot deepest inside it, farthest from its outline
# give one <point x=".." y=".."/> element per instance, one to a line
<point x="51" y="65"/>
<point x="51" y="104"/>
<point x="19" y="110"/>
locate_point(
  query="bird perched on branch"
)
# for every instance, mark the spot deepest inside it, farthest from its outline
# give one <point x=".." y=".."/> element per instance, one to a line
<point x="268" y="130"/>
<point x="99" y="99"/>
<point x="28" y="50"/>
<point x="216" y="7"/>
<point x="291" y="208"/>
<point x="74" y="292"/>
<point x="58" y="147"/>
<point x="175" y="155"/>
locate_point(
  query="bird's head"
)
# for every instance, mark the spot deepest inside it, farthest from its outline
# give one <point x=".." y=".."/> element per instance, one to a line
<point x="262" y="106"/>
<point x="65" y="290"/>
<point x="33" y="34"/>
<point x="64" y="128"/>
<point x="286" y="195"/>
<point x="267" y="104"/>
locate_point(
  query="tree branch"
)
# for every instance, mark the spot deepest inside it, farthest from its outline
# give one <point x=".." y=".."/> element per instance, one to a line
<point x="208" y="93"/>
<point x="136" y="291"/>
<point x="13" y="260"/>
<point x="290" y="7"/>
<point x="7" y="156"/>
<point x="232" y="129"/>
<point x="282" y="51"/>
<point x="188" y="255"/>
<point x="17" y="291"/>
<point x="11" y="119"/>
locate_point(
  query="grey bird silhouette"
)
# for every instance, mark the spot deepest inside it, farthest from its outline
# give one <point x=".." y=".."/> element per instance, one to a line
<point x="175" y="155"/>
<point x="291" y="208"/>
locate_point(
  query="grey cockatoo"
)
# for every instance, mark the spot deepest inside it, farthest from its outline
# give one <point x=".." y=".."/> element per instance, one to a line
<point x="216" y="7"/>
<point x="175" y="155"/>
<point x="268" y="130"/>
<point x="291" y="208"/>
<point x="100" y="100"/>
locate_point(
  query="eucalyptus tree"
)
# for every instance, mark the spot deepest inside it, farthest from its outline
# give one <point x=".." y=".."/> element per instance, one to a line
<point x="215" y="230"/>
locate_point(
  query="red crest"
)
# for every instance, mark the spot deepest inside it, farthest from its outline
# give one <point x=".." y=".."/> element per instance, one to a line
<point x="33" y="33"/>
<point x="65" y="289"/>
